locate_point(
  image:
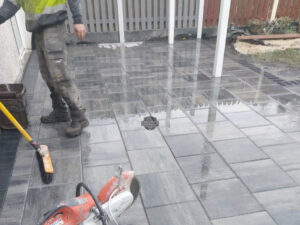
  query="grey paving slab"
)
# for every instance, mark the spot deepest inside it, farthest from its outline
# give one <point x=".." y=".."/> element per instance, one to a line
<point x="15" y="198"/>
<point x="195" y="102"/>
<point x="295" y="175"/>
<point x="92" y="105"/>
<point x="267" y="135"/>
<point x="96" y="176"/>
<point x="219" y="201"/>
<point x="189" y="144"/>
<point x="101" y="118"/>
<point x="62" y="146"/>
<point x="169" y="188"/>
<point x="262" y="175"/>
<point x="23" y="163"/>
<point x="190" y="213"/>
<point x="40" y="200"/>
<point x="134" y="215"/>
<point x="239" y="150"/>
<point x="143" y="139"/>
<point x="282" y="205"/>
<point x="247" y="119"/>
<point x="287" y="122"/>
<point x="205" y="115"/>
<point x="295" y="136"/>
<point x="105" y="153"/>
<point x="152" y="160"/>
<point x="97" y="134"/>
<point x="203" y="168"/>
<point x="259" y="218"/>
<point x="215" y="131"/>
<point x="177" y="126"/>
<point x="287" y="156"/>
<point x="67" y="170"/>
<point x="270" y="108"/>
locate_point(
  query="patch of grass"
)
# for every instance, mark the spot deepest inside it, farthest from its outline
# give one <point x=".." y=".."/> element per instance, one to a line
<point x="289" y="56"/>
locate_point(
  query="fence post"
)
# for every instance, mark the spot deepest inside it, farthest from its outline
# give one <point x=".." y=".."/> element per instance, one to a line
<point x="222" y="35"/>
<point x="200" y="18"/>
<point x="171" y="21"/>
<point x="121" y="21"/>
<point x="274" y="10"/>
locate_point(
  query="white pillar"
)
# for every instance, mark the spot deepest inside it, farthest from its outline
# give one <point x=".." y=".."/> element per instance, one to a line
<point x="274" y="10"/>
<point x="222" y="35"/>
<point x="121" y="21"/>
<point x="200" y="18"/>
<point x="171" y="21"/>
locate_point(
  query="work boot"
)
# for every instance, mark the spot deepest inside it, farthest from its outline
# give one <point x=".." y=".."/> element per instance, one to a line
<point x="79" y="122"/>
<point x="60" y="111"/>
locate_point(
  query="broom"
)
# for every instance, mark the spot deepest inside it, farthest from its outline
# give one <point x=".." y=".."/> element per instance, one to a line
<point x="42" y="151"/>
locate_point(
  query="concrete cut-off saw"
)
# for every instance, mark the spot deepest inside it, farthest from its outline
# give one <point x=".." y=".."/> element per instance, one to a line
<point x="117" y="195"/>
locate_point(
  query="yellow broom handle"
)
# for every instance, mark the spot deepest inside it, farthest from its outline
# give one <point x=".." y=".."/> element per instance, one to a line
<point x="14" y="122"/>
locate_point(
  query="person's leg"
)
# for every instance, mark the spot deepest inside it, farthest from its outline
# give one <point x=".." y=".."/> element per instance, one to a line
<point x="56" y="57"/>
<point x="60" y="111"/>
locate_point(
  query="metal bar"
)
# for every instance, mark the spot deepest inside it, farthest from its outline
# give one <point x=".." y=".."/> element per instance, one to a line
<point x="121" y="21"/>
<point x="171" y="21"/>
<point x="200" y="18"/>
<point x="221" y="40"/>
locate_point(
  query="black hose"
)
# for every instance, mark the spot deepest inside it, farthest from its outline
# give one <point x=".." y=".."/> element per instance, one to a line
<point x="102" y="215"/>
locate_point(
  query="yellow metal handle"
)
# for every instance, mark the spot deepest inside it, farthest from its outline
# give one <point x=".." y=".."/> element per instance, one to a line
<point x="15" y="122"/>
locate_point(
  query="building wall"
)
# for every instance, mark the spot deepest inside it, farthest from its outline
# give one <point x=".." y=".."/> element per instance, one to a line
<point x="13" y="56"/>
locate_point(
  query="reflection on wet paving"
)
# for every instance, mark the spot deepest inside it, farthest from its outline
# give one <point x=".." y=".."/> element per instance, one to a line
<point x="223" y="148"/>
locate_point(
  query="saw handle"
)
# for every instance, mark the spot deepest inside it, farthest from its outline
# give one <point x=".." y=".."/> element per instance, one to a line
<point x="15" y="122"/>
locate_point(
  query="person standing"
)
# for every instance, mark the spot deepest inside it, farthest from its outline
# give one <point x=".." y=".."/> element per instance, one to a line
<point x="46" y="20"/>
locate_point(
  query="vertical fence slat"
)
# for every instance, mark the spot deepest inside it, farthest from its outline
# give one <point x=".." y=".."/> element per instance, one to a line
<point x="110" y="15"/>
<point x="149" y="14"/>
<point x="137" y="14"/>
<point x="130" y="14"/>
<point x="179" y="14"/>
<point x="232" y="11"/>
<point x="216" y="12"/>
<point x="185" y="13"/>
<point x="83" y="4"/>
<point x="161" y="14"/>
<point x="103" y="15"/>
<point x="91" y="20"/>
<point x="192" y="13"/>
<point x="97" y="15"/>
<point x="249" y="10"/>
<point x="143" y="15"/>
<point x="116" y="15"/>
<point x="155" y="19"/>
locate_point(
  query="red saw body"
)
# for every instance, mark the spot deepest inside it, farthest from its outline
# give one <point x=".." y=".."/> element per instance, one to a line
<point x="115" y="197"/>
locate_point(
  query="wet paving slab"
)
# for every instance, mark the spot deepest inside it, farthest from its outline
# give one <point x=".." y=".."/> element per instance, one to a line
<point x="224" y="152"/>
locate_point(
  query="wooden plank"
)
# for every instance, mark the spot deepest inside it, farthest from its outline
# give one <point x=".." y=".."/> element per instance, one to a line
<point x="162" y="14"/>
<point x="232" y="11"/>
<point x="210" y="12"/>
<point x="143" y="14"/>
<point x="149" y="14"/>
<point x="249" y="11"/>
<point x="255" y="9"/>
<point x="269" y="37"/>
<point x="130" y="14"/>
<point x="192" y="13"/>
<point x="91" y="16"/>
<point x="185" y="13"/>
<point x="216" y="13"/>
<point x="179" y="14"/>
<point x="110" y="15"/>
<point x="137" y="14"/>
<point x="84" y="12"/>
<point x="97" y="15"/>
<point x="103" y="15"/>
<point x="116" y="18"/>
<point x="155" y="18"/>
